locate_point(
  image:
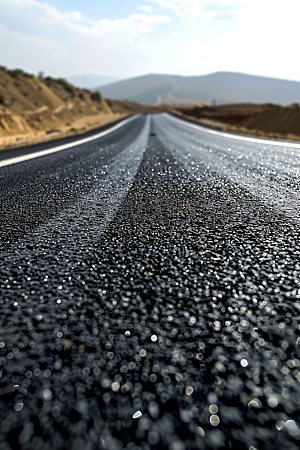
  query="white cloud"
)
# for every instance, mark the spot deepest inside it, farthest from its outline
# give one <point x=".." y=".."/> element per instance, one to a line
<point x="202" y="10"/>
<point x="261" y="39"/>
<point x="32" y="24"/>
<point x="183" y="8"/>
<point x="256" y="37"/>
<point x="146" y="8"/>
<point x="30" y="16"/>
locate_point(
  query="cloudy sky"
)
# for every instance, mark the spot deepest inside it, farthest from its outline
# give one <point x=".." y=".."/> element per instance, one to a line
<point x="125" y="38"/>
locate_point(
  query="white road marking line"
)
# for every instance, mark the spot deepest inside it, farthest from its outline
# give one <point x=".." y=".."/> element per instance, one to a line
<point x="238" y="138"/>
<point x="17" y="159"/>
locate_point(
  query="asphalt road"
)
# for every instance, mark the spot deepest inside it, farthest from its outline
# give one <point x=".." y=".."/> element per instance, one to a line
<point x="150" y="293"/>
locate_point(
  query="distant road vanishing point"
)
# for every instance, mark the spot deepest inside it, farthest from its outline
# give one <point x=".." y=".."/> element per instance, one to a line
<point x="150" y="290"/>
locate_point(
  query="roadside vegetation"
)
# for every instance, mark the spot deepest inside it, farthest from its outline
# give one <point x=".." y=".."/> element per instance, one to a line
<point x="68" y="87"/>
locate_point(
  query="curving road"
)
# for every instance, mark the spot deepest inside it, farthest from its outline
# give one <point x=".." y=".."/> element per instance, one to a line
<point x="150" y="291"/>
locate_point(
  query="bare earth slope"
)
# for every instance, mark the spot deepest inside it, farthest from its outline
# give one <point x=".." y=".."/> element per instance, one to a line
<point x="33" y="108"/>
<point x="278" y="119"/>
<point x="259" y="120"/>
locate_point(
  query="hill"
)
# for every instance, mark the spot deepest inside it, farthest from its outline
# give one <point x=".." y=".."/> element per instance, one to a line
<point x="221" y="87"/>
<point x="33" y="109"/>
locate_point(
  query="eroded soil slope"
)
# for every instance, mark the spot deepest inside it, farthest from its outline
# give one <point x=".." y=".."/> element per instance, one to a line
<point x="32" y="107"/>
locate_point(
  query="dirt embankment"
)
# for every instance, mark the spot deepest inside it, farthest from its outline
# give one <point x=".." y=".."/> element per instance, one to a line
<point x="35" y="109"/>
<point x="272" y="121"/>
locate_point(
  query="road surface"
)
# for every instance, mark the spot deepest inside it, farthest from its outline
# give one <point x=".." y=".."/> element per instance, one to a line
<point x="150" y="292"/>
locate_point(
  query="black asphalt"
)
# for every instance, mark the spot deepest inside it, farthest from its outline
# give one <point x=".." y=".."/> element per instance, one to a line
<point x="150" y="294"/>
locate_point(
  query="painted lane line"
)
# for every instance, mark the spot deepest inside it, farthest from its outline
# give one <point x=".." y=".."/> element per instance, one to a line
<point x="48" y="151"/>
<point x="238" y="138"/>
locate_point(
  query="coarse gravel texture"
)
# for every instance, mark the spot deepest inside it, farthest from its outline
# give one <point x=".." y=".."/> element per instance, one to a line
<point x="150" y="295"/>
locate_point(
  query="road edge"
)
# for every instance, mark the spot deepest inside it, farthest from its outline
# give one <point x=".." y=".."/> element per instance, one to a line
<point x="38" y="152"/>
<point x="235" y="136"/>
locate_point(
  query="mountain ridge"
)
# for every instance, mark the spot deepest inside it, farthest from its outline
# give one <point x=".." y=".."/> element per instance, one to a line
<point x="221" y="87"/>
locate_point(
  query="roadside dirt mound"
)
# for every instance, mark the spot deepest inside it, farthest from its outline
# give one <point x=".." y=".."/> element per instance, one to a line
<point x="9" y="123"/>
<point x="231" y="114"/>
<point x="20" y="93"/>
<point x="79" y="101"/>
<point x="38" y="106"/>
<point x="273" y="121"/>
<point x="43" y="120"/>
<point x="278" y="119"/>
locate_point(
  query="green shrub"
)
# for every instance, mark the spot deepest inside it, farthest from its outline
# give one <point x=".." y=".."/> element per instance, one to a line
<point x="29" y="75"/>
<point x="295" y="105"/>
<point x="68" y="87"/>
<point x="16" y="73"/>
<point x="109" y="102"/>
<point x="81" y="96"/>
<point x="96" y="96"/>
<point x="2" y="99"/>
<point x="50" y="80"/>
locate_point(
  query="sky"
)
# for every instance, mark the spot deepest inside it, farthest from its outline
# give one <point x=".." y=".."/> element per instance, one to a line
<point x="125" y="38"/>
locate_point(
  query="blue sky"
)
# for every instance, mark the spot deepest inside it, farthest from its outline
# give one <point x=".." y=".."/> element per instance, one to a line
<point x="97" y="9"/>
<point x="133" y="37"/>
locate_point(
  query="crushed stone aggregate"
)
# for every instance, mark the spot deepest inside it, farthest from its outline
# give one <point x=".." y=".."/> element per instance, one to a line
<point x="150" y="300"/>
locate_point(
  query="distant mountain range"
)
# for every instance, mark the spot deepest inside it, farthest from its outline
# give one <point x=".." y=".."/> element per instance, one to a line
<point x="89" y="81"/>
<point x="220" y="87"/>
